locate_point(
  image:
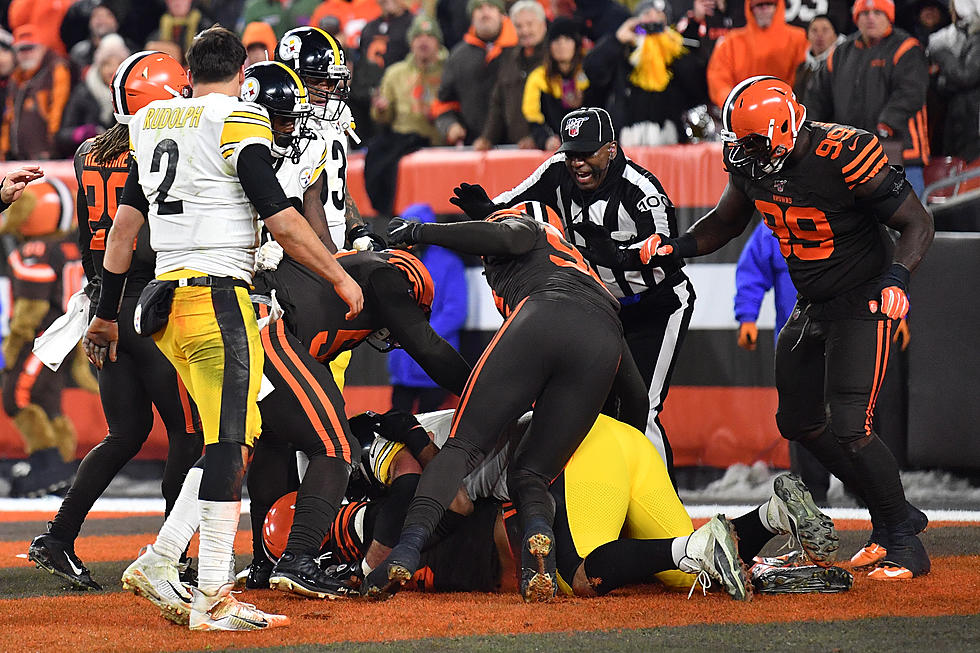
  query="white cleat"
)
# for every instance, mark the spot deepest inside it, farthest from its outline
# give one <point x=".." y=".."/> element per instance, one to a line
<point x="222" y="611"/>
<point x="791" y="511"/>
<point x="156" y="578"/>
<point x="712" y="553"/>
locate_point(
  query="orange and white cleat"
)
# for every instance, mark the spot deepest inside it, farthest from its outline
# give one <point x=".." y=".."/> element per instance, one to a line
<point x="868" y="556"/>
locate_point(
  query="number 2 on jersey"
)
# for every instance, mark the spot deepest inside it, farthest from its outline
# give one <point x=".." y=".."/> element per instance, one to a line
<point x="167" y="146"/>
<point x="803" y="231"/>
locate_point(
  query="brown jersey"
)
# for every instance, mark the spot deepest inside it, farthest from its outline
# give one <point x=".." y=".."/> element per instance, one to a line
<point x="553" y="265"/>
<point x="831" y="246"/>
<point x="48" y="270"/>
<point x="100" y="190"/>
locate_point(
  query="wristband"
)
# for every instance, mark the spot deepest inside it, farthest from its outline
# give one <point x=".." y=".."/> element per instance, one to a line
<point x="416" y="440"/>
<point x="113" y="285"/>
<point x="686" y="246"/>
<point x="897" y="275"/>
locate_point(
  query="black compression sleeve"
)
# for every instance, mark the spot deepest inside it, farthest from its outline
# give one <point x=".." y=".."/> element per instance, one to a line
<point x="113" y="285"/>
<point x="501" y="238"/>
<point x="133" y="194"/>
<point x="387" y="289"/>
<point x="259" y="181"/>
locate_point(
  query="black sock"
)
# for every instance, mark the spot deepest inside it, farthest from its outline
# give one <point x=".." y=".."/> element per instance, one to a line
<point x="626" y="562"/>
<point x="883" y="484"/>
<point x="752" y="535"/>
<point x="391" y="516"/>
<point x="317" y="501"/>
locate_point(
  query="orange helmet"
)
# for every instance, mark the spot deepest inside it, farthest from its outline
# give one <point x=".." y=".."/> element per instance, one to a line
<point x="144" y="77"/>
<point x="50" y="209"/>
<point x="761" y="121"/>
<point x="278" y="522"/>
<point x="423" y="289"/>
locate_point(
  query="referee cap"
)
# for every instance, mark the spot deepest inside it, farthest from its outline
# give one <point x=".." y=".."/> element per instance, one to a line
<point x="586" y="130"/>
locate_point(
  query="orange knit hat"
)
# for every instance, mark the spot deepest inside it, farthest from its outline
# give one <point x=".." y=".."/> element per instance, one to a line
<point x="887" y="7"/>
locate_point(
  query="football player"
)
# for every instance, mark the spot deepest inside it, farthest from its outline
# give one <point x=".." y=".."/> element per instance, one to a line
<point x="827" y="192"/>
<point x="141" y="377"/>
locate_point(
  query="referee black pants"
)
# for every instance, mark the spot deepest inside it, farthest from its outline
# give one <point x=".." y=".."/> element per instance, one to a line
<point x="655" y="327"/>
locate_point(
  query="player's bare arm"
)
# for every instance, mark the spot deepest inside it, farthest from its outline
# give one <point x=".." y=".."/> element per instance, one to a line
<point x="293" y="232"/>
<point x="910" y="218"/>
<point x="316" y="216"/>
<point x="102" y="337"/>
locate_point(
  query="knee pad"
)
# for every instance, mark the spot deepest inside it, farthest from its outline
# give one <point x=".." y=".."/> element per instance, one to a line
<point x="793" y="428"/>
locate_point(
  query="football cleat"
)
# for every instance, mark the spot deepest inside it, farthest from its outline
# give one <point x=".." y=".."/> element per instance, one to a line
<point x="222" y="611"/>
<point x="539" y="578"/>
<point x="157" y="579"/>
<point x="392" y="574"/>
<point x="58" y="558"/>
<point x="906" y="557"/>
<point x="350" y="576"/>
<point x="791" y="511"/>
<point x="875" y="550"/>
<point x="300" y="574"/>
<point x="256" y="575"/>
<point x="712" y="553"/>
<point x="775" y="576"/>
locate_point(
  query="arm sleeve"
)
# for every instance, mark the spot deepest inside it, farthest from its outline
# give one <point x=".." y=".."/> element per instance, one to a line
<point x="752" y="278"/>
<point x="861" y="158"/>
<point x="509" y="237"/>
<point x="259" y="180"/>
<point x="389" y="291"/>
<point x="133" y="194"/>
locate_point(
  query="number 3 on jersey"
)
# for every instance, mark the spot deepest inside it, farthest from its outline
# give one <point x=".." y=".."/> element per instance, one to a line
<point x="167" y="146"/>
<point x="803" y="231"/>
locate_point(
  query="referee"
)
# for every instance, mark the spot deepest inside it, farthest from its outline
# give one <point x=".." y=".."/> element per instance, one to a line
<point x="608" y="204"/>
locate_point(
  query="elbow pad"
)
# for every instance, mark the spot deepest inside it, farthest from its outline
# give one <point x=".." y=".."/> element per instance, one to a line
<point x="886" y="199"/>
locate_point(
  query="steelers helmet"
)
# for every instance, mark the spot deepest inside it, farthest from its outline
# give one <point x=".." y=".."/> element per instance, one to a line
<point x="762" y="119"/>
<point x="278" y="89"/>
<point x="316" y="57"/>
<point x="144" y="77"/>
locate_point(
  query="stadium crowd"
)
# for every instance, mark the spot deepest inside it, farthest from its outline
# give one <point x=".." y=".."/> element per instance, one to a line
<point x="212" y="186"/>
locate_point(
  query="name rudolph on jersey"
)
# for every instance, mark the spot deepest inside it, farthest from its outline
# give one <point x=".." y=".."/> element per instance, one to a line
<point x="171" y="118"/>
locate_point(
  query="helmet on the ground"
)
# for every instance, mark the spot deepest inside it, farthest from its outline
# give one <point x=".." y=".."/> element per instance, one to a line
<point x="283" y="94"/>
<point x="46" y="207"/>
<point x="762" y="119"/>
<point x="144" y="77"/>
<point x="316" y="56"/>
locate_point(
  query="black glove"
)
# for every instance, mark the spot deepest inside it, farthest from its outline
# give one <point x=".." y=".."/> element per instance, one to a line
<point x="373" y="242"/>
<point x="473" y="201"/>
<point x="399" y="426"/>
<point x="600" y="248"/>
<point x="404" y="232"/>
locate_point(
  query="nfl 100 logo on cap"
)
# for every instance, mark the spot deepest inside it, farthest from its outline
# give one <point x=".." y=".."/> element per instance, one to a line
<point x="572" y="125"/>
<point x="586" y="130"/>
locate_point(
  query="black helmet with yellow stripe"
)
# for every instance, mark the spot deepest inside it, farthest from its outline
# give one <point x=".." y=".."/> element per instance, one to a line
<point x="320" y="61"/>
<point x="283" y="94"/>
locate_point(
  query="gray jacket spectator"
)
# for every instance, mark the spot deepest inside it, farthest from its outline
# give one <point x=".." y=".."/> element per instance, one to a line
<point x="89" y="109"/>
<point x="955" y="50"/>
<point x="822" y="35"/>
<point x="877" y="80"/>
<point x="505" y="120"/>
<point x="471" y="71"/>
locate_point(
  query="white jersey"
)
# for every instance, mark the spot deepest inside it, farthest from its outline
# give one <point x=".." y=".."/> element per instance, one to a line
<point x="187" y="150"/>
<point x="487" y="481"/>
<point x="295" y="178"/>
<point x="334" y="132"/>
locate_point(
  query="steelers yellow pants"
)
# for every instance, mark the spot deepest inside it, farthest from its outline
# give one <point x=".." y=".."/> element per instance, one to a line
<point x="616" y="484"/>
<point x="212" y="340"/>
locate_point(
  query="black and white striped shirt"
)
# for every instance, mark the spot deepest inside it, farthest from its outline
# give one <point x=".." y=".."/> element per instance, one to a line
<point x="630" y="203"/>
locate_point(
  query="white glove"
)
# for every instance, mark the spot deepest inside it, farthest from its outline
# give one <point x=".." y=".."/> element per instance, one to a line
<point x="269" y="256"/>
<point x="363" y="244"/>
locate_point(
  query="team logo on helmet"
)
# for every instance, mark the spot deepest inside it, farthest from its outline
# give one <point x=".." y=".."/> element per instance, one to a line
<point x="289" y="47"/>
<point x="250" y="89"/>
<point x="574" y="125"/>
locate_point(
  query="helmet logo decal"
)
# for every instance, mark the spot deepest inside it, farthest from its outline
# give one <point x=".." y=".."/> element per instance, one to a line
<point x="289" y="47"/>
<point x="250" y="89"/>
<point x="574" y="125"/>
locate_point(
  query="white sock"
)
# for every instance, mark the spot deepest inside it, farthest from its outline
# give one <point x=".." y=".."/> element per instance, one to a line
<point x="764" y="518"/>
<point x="219" y="523"/>
<point x="678" y="551"/>
<point x="183" y="520"/>
<point x="365" y="567"/>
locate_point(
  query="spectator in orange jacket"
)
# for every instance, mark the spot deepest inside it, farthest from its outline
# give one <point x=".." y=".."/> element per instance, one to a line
<point x="36" y="98"/>
<point x="765" y="46"/>
<point x="45" y="16"/>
